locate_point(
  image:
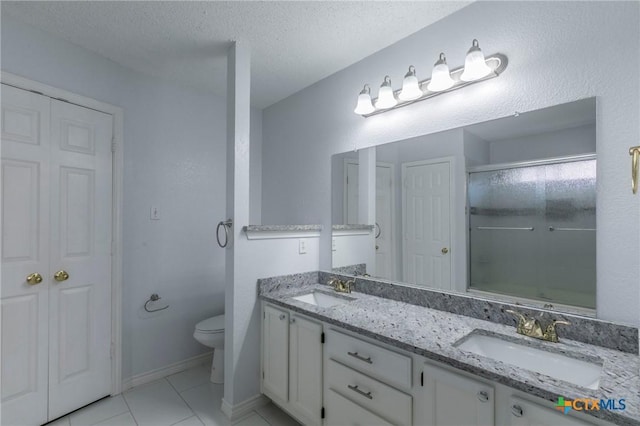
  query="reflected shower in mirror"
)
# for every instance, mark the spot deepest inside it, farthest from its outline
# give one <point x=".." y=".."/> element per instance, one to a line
<point x="505" y="208"/>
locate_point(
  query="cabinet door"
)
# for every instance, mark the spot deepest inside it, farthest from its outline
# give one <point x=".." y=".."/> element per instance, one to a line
<point x="275" y="353"/>
<point x="455" y="400"/>
<point x="342" y="412"/>
<point x="525" y="413"/>
<point x="305" y="368"/>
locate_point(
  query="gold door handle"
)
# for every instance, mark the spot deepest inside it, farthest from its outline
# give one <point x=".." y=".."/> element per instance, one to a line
<point x="634" y="151"/>
<point x="34" y="278"/>
<point x="444" y="250"/>
<point x="61" y="276"/>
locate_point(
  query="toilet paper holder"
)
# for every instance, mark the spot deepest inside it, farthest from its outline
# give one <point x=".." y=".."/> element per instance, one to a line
<point x="154" y="298"/>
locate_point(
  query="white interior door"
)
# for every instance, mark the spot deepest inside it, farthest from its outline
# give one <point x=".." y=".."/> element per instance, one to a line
<point x="25" y="248"/>
<point x="426" y="205"/>
<point x="80" y="307"/>
<point x="56" y="216"/>
<point x="385" y="254"/>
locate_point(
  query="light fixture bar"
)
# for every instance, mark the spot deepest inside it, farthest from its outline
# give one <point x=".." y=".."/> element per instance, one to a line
<point x="497" y="62"/>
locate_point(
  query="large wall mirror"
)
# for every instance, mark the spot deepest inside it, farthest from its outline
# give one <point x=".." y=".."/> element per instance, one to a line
<point x="505" y="208"/>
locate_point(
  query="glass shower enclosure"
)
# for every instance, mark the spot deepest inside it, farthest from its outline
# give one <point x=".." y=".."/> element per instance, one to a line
<point x="532" y="230"/>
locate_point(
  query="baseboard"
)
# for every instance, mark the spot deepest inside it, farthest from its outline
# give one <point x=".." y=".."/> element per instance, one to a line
<point x="238" y="411"/>
<point x="159" y="373"/>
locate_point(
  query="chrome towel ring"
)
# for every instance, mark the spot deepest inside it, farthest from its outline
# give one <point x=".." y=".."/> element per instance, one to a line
<point x="226" y="224"/>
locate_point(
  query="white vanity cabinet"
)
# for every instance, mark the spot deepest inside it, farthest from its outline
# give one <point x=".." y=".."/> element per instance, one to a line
<point x="450" y="399"/>
<point x="526" y="413"/>
<point x="292" y="363"/>
<point x="365" y="383"/>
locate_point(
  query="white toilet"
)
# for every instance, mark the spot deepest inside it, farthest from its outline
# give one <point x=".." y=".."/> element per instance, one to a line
<point x="210" y="332"/>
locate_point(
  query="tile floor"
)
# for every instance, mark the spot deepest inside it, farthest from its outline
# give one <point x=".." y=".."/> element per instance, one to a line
<point x="183" y="399"/>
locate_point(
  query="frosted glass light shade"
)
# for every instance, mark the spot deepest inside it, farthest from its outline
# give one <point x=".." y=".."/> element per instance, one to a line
<point x="410" y="86"/>
<point x="364" y="105"/>
<point x="386" y="99"/>
<point x="475" y="66"/>
<point x="440" y="76"/>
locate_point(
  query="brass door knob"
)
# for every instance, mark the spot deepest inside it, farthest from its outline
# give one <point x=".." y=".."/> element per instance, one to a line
<point x="444" y="250"/>
<point x="61" y="276"/>
<point x="34" y="278"/>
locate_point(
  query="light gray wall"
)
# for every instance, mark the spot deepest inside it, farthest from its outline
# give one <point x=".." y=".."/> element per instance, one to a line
<point x="558" y="52"/>
<point x="174" y="158"/>
<point x="574" y="141"/>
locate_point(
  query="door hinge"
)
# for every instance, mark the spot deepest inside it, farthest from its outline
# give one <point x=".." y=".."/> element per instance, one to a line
<point x="422" y="379"/>
<point x="264" y="314"/>
<point x="113" y="145"/>
<point x="322" y="413"/>
<point x="112" y="351"/>
<point x="322" y="338"/>
<point x="263" y="375"/>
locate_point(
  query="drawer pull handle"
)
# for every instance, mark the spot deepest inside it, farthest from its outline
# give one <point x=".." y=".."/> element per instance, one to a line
<point x="517" y="411"/>
<point x="356" y="356"/>
<point x="483" y="396"/>
<point x="358" y="391"/>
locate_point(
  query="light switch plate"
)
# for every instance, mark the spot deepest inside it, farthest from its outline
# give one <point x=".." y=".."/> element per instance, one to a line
<point x="302" y="246"/>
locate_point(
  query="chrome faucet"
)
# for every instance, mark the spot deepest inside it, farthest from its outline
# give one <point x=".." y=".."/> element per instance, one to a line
<point x="533" y="328"/>
<point x="341" y="286"/>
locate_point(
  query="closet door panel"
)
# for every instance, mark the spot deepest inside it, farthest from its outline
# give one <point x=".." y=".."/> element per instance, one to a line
<point x="25" y="244"/>
<point x="80" y="332"/>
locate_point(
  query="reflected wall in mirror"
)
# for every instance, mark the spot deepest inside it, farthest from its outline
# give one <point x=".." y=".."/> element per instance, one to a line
<point x="505" y="208"/>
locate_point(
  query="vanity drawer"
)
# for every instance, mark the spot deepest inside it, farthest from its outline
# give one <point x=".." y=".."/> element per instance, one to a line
<point x="395" y="406"/>
<point x="342" y="412"/>
<point x="374" y="360"/>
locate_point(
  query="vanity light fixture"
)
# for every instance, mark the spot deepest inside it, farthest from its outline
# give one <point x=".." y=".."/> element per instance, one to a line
<point x="477" y="68"/>
<point x="386" y="97"/>
<point x="410" y="86"/>
<point x="440" y="76"/>
<point x="364" y="105"/>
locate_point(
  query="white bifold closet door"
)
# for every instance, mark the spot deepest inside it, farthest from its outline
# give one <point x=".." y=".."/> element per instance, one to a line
<point x="56" y="222"/>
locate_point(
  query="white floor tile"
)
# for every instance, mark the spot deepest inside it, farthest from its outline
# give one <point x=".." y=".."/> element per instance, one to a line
<point x="157" y="404"/>
<point x="275" y="416"/>
<point x="206" y="401"/>
<point x="125" y="419"/>
<point x="190" y="378"/>
<point x="63" y="421"/>
<point x="191" y="421"/>
<point x="99" y="411"/>
<point x="253" y="420"/>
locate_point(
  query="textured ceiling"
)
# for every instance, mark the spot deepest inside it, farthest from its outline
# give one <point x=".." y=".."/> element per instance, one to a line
<point x="293" y="44"/>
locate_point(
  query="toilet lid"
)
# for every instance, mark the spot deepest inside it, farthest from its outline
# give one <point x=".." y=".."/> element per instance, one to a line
<point x="211" y="324"/>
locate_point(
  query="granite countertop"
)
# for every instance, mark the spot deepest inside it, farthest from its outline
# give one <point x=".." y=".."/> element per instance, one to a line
<point x="282" y="228"/>
<point x="432" y="333"/>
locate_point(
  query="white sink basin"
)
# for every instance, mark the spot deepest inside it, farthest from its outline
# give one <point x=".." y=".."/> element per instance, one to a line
<point x="322" y="299"/>
<point x="556" y="365"/>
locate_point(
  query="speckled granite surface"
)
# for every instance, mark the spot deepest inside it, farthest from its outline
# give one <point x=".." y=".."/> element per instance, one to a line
<point x="432" y="333"/>
<point x="352" y="227"/>
<point x="583" y="329"/>
<point x="281" y="228"/>
<point x="358" y="269"/>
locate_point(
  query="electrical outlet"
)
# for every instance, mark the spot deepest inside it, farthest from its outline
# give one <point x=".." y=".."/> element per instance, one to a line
<point x="155" y="213"/>
<point x="302" y="246"/>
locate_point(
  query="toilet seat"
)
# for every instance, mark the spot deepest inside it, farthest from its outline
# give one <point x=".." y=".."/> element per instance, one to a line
<point x="211" y="325"/>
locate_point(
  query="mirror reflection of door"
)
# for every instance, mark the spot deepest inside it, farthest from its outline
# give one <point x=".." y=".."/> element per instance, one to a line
<point x="426" y="224"/>
<point x="384" y="221"/>
<point x="385" y="242"/>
